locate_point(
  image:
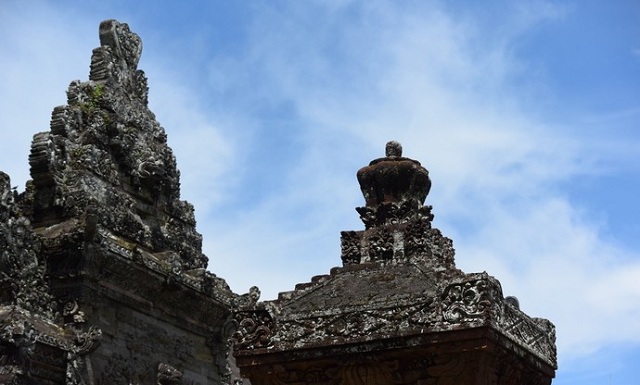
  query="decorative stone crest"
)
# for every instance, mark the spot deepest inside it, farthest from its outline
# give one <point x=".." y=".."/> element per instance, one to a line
<point x="254" y="329"/>
<point x="350" y="247"/>
<point x="380" y="245"/>
<point x="397" y="223"/>
<point x="106" y="159"/>
<point x="471" y="300"/>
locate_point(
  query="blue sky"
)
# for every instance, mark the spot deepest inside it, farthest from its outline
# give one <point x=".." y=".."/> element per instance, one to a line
<point x="525" y="113"/>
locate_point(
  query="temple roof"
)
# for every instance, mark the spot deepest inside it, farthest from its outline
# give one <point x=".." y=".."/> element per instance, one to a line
<point x="398" y="285"/>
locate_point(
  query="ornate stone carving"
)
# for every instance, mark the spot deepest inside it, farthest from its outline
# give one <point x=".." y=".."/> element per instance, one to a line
<point x="248" y="300"/>
<point x="87" y="341"/>
<point x="473" y="300"/>
<point x="400" y="319"/>
<point x="254" y="329"/>
<point x="168" y="375"/>
<point x="17" y="343"/>
<point x="380" y="245"/>
<point x="391" y="213"/>
<point x="22" y="268"/>
<point x="415" y="240"/>
<point x="398" y="311"/>
<point x="394" y="179"/>
<point x="536" y="334"/>
<point x="350" y="247"/>
<point x="79" y="369"/>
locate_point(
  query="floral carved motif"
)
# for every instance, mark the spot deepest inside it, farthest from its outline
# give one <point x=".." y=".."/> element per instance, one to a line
<point x="402" y="319"/>
<point x="255" y="329"/>
<point x="415" y="238"/>
<point x="381" y="245"/>
<point x="393" y="213"/>
<point x="470" y="301"/>
<point x="350" y="247"/>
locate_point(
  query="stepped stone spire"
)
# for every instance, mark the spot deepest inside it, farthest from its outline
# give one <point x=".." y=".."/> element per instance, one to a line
<point x="106" y="160"/>
<point x="102" y="275"/>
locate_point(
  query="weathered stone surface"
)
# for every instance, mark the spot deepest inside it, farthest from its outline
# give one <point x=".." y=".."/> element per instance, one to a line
<point x="35" y="347"/>
<point x="22" y="268"/>
<point x="398" y="311"/>
<point x="101" y="262"/>
<point x="394" y="189"/>
<point x="106" y="158"/>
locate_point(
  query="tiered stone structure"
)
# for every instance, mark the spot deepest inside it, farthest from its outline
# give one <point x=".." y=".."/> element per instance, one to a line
<point x="128" y="298"/>
<point x="103" y="280"/>
<point x="398" y="311"/>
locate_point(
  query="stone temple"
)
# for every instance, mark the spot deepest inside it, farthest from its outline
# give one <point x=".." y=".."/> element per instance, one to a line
<point x="103" y="280"/>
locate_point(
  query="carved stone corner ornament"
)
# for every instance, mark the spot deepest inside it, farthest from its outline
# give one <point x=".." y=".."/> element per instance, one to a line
<point x="254" y="330"/>
<point x="168" y="375"/>
<point x="472" y="300"/>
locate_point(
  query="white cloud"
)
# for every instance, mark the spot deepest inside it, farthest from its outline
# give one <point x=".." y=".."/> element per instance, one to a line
<point x="40" y="57"/>
<point x="549" y="255"/>
<point x="446" y="93"/>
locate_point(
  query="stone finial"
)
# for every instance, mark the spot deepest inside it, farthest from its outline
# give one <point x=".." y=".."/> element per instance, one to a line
<point x="393" y="149"/>
<point x="116" y="60"/>
<point x="394" y="179"/>
<point x="125" y="44"/>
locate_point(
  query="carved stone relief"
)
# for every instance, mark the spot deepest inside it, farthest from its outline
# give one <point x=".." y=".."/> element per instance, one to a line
<point x="254" y="329"/>
<point x="168" y="375"/>
<point x="470" y="301"/>
<point x="350" y="247"/>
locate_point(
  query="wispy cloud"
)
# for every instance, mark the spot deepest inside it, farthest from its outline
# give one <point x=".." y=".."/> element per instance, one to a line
<point x="40" y="57"/>
<point x="435" y="83"/>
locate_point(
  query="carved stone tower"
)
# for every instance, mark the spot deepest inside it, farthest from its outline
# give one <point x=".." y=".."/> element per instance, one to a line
<point x="128" y="299"/>
<point x="398" y="311"/>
